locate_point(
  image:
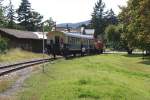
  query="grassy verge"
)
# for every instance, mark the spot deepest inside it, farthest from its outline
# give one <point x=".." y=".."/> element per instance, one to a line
<point x="5" y="83"/>
<point x="11" y="56"/>
<point x="17" y="54"/>
<point x="103" y="77"/>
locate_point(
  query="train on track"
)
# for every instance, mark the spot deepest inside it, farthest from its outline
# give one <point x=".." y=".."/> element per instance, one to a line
<point x="72" y="43"/>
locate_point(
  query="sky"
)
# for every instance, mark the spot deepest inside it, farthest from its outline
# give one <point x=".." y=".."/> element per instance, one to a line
<point x="69" y="11"/>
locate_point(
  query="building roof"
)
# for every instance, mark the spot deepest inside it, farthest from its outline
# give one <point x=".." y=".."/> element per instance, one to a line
<point x="78" y="35"/>
<point x="21" y="34"/>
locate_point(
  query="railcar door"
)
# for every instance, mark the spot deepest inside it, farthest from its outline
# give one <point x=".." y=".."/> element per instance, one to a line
<point x="57" y="44"/>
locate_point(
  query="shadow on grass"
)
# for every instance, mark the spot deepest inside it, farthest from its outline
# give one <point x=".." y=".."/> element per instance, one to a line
<point x="133" y="55"/>
<point x="79" y="56"/>
<point x="145" y="59"/>
<point x="146" y="62"/>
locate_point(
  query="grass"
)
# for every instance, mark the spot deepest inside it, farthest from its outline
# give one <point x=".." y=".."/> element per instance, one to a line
<point x="5" y="83"/>
<point x="103" y="77"/>
<point x="18" y="54"/>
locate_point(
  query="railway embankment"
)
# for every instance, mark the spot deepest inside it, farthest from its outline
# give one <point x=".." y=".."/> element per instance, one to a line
<point x="12" y="82"/>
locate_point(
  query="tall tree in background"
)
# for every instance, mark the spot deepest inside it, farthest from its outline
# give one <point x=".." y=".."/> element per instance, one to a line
<point x="98" y="22"/>
<point x="2" y="17"/>
<point x="35" y="20"/>
<point x="11" y="16"/>
<point x="24" y="13"/>
<point x="111" y="18"/>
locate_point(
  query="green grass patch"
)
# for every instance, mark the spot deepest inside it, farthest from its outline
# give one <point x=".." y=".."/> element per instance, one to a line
<point x="11" y="56"/>
<point x="102" y="77"/>
<point x="18" y="54"/>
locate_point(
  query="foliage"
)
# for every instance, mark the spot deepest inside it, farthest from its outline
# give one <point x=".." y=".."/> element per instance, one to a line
<point x="135" y="17"/>
<point x="91" y="78"/>
<point x="11" y="16"/>
<point x="2" y="17"/>
<point x="35" y="21"/>
<point x="49" y="24"/>
<point x="113" y="37"/>
<point x="24" y="14"/>
<point x="3" y="44"/>
<point x="101" y="18"/>
<point x="30" y="20"/>
<point x="111" y="18"/>
<point x="98" y="22"/>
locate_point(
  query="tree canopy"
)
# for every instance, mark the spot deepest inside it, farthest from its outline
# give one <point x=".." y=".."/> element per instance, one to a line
<point x="135" y="19"/>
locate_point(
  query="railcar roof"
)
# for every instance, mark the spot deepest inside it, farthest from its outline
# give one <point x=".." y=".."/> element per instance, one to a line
<point x="79" y="35"/>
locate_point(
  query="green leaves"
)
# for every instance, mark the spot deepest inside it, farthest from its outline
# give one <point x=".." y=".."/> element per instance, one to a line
<point x="135" y="18"/>
<point x="98" y="22"/>
<point x="3" y="44"/>
<point x="30" y="20"/>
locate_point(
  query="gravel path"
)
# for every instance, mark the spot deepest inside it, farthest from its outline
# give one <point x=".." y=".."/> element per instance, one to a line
<point x="18" y="85"/>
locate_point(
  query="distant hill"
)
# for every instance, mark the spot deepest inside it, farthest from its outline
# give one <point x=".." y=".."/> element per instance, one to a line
<point x="74" y="25"/>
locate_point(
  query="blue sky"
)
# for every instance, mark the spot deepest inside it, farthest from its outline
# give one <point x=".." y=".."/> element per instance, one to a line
<point x="63" y="11"/>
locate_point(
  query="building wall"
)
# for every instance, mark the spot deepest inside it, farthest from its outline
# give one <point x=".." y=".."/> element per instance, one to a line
<point x="25" y="44"/>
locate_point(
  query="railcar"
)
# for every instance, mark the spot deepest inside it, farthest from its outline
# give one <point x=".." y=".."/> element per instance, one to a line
<point x="67" y="43"/>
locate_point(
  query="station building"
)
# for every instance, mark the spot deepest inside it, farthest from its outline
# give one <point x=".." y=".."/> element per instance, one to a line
<point x="30" y="41"/>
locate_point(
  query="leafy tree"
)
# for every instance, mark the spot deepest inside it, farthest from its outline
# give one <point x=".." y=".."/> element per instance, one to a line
<point x="142" y="23"/>
<point x="49" y="24"/>
<point x="113" y="37"/>
<point x="135" y="18"/>
<point x="24" y="12"/>
<point x="98" y="22"/>
<point x="128" y="35"/>
<point x="3" y="44"/>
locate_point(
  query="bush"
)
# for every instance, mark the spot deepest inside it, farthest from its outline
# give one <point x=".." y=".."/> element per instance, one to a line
<point x="3" y="44"/>
<point x="113" y="37"/>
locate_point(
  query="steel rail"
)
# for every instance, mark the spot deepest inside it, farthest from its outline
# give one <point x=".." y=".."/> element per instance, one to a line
<point x="11" y="65"/>
<point x="23" y="65"/>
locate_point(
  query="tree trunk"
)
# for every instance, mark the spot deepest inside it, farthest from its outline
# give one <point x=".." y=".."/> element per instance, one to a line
<point x="147" y="52"/>
<point x="130" y="51"/>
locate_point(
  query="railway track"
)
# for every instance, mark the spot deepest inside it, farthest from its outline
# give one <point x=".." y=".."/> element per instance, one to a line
<point x="4" y="70"/>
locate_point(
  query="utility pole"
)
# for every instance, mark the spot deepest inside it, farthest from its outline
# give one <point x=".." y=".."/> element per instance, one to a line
<point x="43" y="47"/>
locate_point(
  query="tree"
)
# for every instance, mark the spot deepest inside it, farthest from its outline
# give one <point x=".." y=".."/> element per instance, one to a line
<point x="135" y="18"/>
<point x="2" y="17"/>
<point x="113" y="37"/>
<point x="128" y="35"/>
<point x="35" y="20"/>
<point x="49" y="24"/>
<point x="143" y="23"/>
<point x="11" y="16"/>
<point x="24" y="12"/>
<point x="98" y="22"/>
<point x="3" y="44"/>
<point x="111" y="18"/>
